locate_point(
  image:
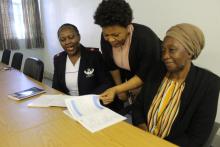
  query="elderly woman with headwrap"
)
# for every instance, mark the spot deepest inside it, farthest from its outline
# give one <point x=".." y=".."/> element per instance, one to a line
<point x="179" y="100"/>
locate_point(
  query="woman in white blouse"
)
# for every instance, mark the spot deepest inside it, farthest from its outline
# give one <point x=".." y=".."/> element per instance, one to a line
<point x="79" y="70"/>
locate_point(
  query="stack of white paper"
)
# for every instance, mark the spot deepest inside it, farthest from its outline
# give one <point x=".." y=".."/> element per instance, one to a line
<point x="88" y="111"/>
<point x="49" y="100"/>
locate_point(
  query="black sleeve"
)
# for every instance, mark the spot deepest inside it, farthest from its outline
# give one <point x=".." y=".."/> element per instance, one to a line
<point x="150" y="52"/>
<point x="106" y="49"/>
<point x="102" y="76"/>
<point x="203" y="119"/>
<point x="138" y="114"/>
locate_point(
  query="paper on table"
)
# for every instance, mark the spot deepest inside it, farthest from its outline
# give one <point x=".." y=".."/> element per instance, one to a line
<point x="83" y="105"/>
<point x="88" y="111"/>
<point x="49" y="100"/>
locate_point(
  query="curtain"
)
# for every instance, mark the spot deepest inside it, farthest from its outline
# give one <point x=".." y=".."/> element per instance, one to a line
<point x="8" y="39"/>
<point x="32" y="24"/>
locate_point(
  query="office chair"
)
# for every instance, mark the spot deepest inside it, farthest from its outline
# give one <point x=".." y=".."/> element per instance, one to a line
<point x="6" y="56"/>
<point x="34" y="68"/>
<point x="17" y="60"/>
<point x="212" y="135"/>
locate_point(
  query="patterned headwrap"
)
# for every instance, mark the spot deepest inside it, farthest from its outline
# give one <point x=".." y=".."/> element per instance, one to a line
<point x="190" y="36"/>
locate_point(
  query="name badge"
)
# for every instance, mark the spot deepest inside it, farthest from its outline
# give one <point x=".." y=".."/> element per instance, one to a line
<point x="89" y="72"/>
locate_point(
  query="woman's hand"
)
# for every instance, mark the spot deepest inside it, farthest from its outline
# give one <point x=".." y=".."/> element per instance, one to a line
<point x="108" y="96"/>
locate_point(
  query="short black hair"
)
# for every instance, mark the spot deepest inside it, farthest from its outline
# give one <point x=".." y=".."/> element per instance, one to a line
<point x="67" y="25"/>
<point x="113" y="12"/>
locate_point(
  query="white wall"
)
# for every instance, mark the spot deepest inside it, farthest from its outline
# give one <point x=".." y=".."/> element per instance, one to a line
<point x="161" y="15"/>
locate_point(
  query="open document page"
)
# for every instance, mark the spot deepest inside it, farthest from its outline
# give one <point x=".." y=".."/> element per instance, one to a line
<point x="49" y="100"/>
<point x="88" y="111"/>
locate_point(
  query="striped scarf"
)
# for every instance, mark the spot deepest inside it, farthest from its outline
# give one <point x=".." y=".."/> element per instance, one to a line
<point x="164" y="107"/>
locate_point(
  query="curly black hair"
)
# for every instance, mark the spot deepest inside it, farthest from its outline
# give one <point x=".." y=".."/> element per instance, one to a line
<point x="67" y="25"/>
<point x="113" y="12"/>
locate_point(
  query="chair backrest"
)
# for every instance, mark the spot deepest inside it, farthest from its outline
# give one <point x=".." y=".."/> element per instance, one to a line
<point x="17" y="61"/>
<point x="34" y="68"/>
<point x="6" y="56"/>
<point x="212" y="135"/>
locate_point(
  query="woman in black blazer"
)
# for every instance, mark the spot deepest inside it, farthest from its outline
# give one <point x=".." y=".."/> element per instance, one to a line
<point x="79" y="70"/>
<point x="179" y="100"/>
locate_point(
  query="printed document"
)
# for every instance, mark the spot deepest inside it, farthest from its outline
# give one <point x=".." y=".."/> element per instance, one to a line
<point x="88" y="111"/>
<point x="49" y="100"/>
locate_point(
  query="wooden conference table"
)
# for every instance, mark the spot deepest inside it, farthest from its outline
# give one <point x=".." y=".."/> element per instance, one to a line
<point x="21" y="126"/>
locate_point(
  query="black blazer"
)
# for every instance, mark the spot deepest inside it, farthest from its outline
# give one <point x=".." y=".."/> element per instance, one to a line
<point x="144" y="52"/>
<point x="198" y="106"/>
<point x="94" y="83"/>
